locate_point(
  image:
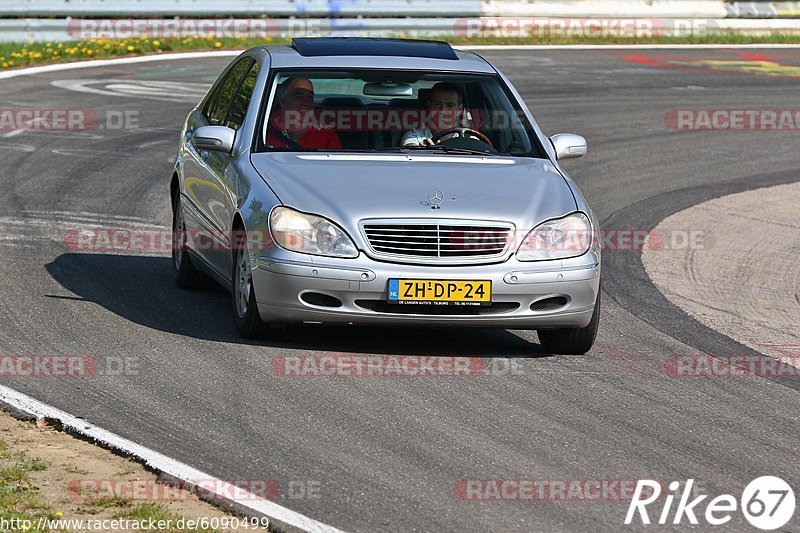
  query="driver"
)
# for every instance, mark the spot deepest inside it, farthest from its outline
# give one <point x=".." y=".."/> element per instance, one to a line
<point x="294" y="125"/>
<point x="447" y="105"/>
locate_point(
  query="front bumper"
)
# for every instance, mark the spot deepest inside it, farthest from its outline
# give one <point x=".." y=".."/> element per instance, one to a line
<point x="361" y="285"/>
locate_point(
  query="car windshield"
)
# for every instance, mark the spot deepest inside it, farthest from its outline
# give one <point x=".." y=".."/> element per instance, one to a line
<point x="390" y="111"/>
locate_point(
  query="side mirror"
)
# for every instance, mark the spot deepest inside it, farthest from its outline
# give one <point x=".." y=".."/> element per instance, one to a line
<point x="213" y="138"/>
<point x="568" y="145"/>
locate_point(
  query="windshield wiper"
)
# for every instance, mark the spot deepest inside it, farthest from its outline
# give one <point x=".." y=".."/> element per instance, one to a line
<point x="436" y="148"/>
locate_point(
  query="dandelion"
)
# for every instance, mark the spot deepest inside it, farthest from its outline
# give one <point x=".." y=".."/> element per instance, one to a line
<point x="217" y="44"/>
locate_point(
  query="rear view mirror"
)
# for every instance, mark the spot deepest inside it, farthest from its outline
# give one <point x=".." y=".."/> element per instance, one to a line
<point x="568" y="145"/>
<point x="388" y="89"/>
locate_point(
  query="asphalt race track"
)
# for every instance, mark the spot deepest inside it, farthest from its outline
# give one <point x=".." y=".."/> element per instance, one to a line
<point x="388" y="454"/>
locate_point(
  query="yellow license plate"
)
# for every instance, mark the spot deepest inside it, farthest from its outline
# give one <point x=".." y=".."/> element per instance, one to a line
<point x="443" y="292"/>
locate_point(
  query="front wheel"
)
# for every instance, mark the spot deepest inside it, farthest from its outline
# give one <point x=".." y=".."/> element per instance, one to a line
<point x="186" y="275"/>
<point x="245" y="310"/>
<point x="572" y="341"/>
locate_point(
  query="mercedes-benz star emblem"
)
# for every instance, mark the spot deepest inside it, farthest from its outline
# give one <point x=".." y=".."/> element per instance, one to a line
<point x="434" y="200"/>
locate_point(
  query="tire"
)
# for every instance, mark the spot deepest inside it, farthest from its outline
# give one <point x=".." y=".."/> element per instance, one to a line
<point x="245" y="309"/>
<point x="186" y="275"/>
<point x="572" y="341"/>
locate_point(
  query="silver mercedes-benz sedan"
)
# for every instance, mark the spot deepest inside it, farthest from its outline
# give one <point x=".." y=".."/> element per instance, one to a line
<point x="383" y="181"/>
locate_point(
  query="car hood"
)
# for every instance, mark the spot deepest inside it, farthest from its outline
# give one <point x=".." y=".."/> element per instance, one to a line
<point x="347" y="188"/>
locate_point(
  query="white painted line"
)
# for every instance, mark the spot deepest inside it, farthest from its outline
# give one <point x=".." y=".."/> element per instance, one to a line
<point x="111" y="62"/>
<point x="30" y="71"/>
<point x="622" y="46"/>
<point x="162" y="463"/>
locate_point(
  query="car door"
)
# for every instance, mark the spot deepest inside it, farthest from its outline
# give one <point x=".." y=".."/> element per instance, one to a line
<point x="210" y="192"/>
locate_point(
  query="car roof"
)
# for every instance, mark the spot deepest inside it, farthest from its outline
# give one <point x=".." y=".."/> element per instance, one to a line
<point x="377" y="53"/>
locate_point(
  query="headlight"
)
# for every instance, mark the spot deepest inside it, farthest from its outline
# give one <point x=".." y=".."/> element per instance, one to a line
<point x="570" y="236"/>
<point x="309" y="234"/>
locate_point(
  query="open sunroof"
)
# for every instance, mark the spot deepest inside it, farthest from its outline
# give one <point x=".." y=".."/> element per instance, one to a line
<point x="367" y="46"/>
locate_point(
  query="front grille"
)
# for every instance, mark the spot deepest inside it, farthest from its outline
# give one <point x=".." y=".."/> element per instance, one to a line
<point x="437" y="241"/>
<point x="382" y="306"/>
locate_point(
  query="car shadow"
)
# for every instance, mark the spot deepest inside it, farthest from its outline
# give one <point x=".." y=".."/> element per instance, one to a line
<point x="141" y="289"/>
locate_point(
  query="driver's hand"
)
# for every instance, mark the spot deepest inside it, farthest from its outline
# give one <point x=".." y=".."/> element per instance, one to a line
<point x="427" y="141"/>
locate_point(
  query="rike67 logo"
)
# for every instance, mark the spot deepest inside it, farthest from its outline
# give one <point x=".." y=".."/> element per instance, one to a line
<point x="767" y="502"/>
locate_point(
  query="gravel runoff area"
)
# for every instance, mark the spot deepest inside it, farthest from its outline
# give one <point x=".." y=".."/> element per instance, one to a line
<point x="742" y="276"/>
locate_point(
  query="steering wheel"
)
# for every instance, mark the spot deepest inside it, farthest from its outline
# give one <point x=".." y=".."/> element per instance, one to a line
<point x="462" y="132"/>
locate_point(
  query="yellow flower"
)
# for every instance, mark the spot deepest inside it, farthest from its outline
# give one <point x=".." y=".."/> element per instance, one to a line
<point x="60" y="514"/>
<point x="89" y="52"/>
<point x="217" y="44"/>
<point x="5" y="64"/>
<point x="131" y="48"/>
<point x="156" y="43"/>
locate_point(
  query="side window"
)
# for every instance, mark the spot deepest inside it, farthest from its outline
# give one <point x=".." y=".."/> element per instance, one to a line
<point x="241" y="101"/>
<point x="221" y="101"/>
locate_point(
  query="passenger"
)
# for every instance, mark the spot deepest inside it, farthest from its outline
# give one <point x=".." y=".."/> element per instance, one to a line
<point x="293" y="124"/>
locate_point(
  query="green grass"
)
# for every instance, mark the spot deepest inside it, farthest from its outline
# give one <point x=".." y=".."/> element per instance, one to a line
<point x="19" y="498"/>
<point x="15" y="55"/>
